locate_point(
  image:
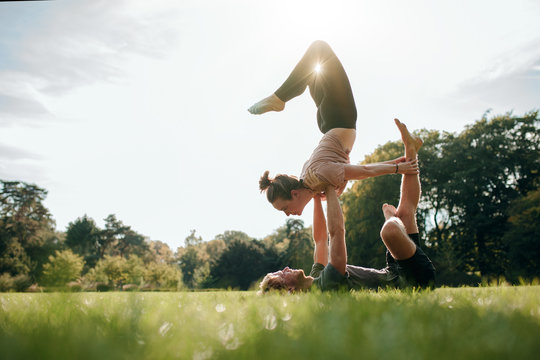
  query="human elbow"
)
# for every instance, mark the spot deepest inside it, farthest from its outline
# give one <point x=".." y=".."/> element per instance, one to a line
<point x="337" y="232"/>
<point x="320" y="237"/>
<point x="364" y="172"/>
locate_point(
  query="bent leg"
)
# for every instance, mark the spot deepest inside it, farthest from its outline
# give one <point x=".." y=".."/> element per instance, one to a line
<point x="404" y="255"/>
<point x="321" y="70"/>
<point x="394" y="235"/>
<point x="400" y="232"/>
<point x="401" y="222"/>
<point x="329" y="86"/>
<point x="410" y="195"/>
<point x="410" y="184"/>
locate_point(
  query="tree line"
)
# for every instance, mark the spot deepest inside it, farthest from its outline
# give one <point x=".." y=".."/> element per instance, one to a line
<point x="478" y="217"/>
<point x="34" y="255"/>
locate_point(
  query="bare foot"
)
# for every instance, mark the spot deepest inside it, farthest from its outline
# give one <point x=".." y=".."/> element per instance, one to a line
<point x="271" y="103"/>
<point x="389" y="211"/>
<point x="412" y="143"/>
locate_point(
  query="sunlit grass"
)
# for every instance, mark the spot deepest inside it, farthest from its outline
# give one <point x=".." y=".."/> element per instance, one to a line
<point x="489" y="322"/>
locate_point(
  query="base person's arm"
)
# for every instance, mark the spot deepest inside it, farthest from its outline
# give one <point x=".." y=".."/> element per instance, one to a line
<point x="336" y="228"/>
<point x="320" y="234"/>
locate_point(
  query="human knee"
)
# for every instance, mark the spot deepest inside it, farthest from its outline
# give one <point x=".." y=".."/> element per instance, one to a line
<point x="336" y="232"/>
<point x="408" y="219"/>
<point x="320" y="45"/>
<point x="406" y="212"/>
<point x="391" y="228"/>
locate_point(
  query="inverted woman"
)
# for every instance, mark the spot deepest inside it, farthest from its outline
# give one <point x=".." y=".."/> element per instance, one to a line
<point x="321" y="71"/>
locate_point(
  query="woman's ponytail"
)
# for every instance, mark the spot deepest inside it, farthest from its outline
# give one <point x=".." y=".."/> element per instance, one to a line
<point x="279" y="187"/>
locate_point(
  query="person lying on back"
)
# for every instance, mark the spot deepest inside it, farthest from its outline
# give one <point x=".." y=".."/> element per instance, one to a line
<point x="407" y="264"/>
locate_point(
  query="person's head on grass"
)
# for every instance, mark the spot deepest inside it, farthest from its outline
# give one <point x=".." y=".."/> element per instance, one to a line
<point x="286" y="280"/>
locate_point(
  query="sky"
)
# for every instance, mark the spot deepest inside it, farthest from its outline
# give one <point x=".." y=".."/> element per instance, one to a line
<point x="139" y="108"/>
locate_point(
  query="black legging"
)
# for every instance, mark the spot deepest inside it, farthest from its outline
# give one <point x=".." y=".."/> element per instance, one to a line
<point x="330" y="88"/>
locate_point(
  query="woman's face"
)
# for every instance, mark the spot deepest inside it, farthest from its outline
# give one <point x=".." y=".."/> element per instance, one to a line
<point x="294" y="206"/>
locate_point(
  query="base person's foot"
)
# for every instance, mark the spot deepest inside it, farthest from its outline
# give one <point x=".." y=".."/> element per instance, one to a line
<point x="271" y="103"/>
<point x="389" y="211"/>
<point x="412" y="143"/>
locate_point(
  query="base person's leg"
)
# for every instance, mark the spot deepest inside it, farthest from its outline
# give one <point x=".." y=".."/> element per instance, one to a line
<point x="402" y="221"/>
<point x="406" y="256"/>
<point x="410" y="184"/>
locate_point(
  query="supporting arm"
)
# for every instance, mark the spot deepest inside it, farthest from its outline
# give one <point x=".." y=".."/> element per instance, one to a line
<point x="336" y="227"/>
<point x="320" y="233"/>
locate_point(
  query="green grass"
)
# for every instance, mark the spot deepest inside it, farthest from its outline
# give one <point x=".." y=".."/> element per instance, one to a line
<point x="448" y="323"/>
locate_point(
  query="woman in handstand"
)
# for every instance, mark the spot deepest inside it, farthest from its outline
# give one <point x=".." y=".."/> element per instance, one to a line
<point x="321" y="71"/>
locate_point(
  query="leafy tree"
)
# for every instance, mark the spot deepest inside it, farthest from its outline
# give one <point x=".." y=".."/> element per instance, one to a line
<point x="201" y="276"/>
<point x="118" y="239"/>
<point x="198" y="257"/>
<point x="110" y="270"/>
<point x="207" y="255"/>
<point x="241" y="264"/>
<point x="19" y="282"/>
<point x="159" y="252"/>
<point x="63" y="267"/>
<point x="27" y="235"/>
<point x="189" y="257"/>
<point x="232" y="235"/>
<point x="6" y="282"/>
<point x="294" y="245"/>
<point x="135" y="270"/>
<point x="214" y="249"/>
<point x="522" y="238"/>
<point x="493" y="162"/>
<point x="13" y="257"/>
<point x="435" y="214"/>
<point x="133" y="244"/>
<point x="162" y="275"/>
<point x="83" y="238"/>
<point x="192" y="239"/>
<point x="300" y="250"/>
<point x="189" y="261"/>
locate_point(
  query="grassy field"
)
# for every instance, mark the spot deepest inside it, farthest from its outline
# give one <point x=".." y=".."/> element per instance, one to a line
<point x="447" y="323"/>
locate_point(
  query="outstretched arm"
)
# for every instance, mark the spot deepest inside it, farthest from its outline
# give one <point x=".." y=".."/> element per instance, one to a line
<point x="395" y="161"/>
<point x="336" y="227"/>
<point x="359" y="172"/>
<point x="320" y="234"/>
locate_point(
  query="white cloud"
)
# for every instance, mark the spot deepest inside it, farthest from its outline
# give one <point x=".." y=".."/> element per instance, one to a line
<point x="81" y="42"/>
<point x="20" y="102"/>
<point x="511" y="62"/>
<point x="77" y="43"/>
<point x="13" y="153"/>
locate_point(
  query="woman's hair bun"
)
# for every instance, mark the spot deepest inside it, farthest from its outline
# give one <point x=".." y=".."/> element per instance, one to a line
<point x="265" y="182"/>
